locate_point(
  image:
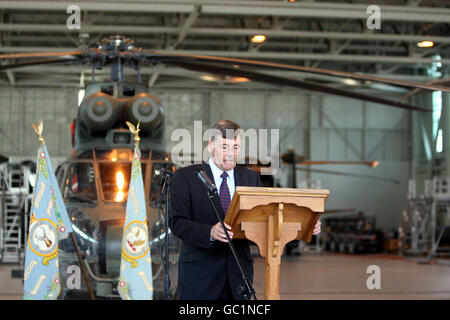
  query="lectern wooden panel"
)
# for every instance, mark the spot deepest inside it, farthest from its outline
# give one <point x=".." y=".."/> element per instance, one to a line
<point x="271" y="217"/>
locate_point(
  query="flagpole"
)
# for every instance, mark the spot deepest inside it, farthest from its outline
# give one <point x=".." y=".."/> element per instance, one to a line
<point x="134" y="282"/>
<point x="82" y="266"/>
<point x="38" y="129"/>
<point x="165" y="189"/>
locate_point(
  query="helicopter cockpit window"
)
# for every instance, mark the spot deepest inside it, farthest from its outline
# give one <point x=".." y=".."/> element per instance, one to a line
<point x="155" y="188"/>
<point x="85" y="155"/>
<point x="80" y="183"/>
<point x="119" y="155"/>
<point x="115" y="155"/>
<point x="60" y="174"/>
<point x="115" y="179"/>
<point x="108" y="90"/>
<point x="128" y="91"/>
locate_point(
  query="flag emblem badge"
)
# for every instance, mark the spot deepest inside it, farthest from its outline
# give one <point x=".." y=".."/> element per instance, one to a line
<point x="43" y="239"/>
<point x="135" y="242"/>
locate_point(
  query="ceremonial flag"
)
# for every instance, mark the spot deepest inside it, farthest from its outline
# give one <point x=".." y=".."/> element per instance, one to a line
<point x="136" y="280"/>
<point x="49" y="223"/>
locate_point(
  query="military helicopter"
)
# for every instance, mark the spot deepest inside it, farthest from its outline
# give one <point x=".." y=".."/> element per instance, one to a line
<point x="93" y="180"/>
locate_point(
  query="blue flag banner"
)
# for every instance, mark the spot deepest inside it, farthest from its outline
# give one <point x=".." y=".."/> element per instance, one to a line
<point x="49" y="223"/>
<point x="136" y="280"/>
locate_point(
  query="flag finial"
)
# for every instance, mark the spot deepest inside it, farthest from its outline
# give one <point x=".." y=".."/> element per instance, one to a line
<point x="38" y="129"/>
<point x="134" y="130"/>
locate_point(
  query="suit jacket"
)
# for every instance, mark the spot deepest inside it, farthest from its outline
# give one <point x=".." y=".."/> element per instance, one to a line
<point x="204" y="265"/>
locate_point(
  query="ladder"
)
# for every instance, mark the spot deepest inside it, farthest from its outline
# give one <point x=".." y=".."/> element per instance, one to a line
<point x="13" y="214"/>
<point x="14" y="223"/>
<point x="439" y="218"/>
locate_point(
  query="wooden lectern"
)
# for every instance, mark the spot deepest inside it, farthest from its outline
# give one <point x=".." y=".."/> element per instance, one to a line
<point x="271" y="217"/>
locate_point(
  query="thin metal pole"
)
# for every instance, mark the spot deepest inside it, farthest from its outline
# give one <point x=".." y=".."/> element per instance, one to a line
<point x="83" y="270"/>
<point x="248" y="284"/>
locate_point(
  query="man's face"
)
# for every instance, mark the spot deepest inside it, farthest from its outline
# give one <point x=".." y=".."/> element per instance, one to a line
<point x="224" y="152"/>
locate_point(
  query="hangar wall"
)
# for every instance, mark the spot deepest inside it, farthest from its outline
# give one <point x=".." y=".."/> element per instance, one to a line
<point x="20" y="107"/>
<point x="318" y="127"/>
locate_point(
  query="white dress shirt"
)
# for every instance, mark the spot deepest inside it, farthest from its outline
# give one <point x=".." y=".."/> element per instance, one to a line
<point x="218" y="179"/>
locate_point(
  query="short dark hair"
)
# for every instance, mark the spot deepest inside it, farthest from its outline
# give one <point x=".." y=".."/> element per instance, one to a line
<point x="223" y="126"/>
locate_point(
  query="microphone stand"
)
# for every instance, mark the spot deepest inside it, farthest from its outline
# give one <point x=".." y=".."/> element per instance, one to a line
<point x="249" y="288"/>
<point x="165" y="190"/>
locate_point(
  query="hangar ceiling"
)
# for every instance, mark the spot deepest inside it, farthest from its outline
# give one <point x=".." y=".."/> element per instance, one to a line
<point x="323" y="34"/>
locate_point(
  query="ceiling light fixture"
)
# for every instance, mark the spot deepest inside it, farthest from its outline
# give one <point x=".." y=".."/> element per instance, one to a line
<point x="238" y="79"/>
<point x="259" y="38"/>
<point x="425" y="44"/>
<point x="350" y="82"/>
<point x="208" y="77"/>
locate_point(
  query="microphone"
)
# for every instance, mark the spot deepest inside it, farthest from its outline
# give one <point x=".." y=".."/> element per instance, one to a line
<point x="206" y="181"/>
<point x="164" y="182"/>
<point x="165" y="175"/>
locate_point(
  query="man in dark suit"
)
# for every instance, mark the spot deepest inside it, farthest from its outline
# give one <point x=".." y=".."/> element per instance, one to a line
<point x="207" y="269"/>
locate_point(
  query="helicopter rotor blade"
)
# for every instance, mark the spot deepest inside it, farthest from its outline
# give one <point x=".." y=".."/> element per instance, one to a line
<point x="35" y="62"/>
<point x="372" y="164"/>
<point x="444" y="82"/>
<point x="308" y="85"/>
<point x="289" y="157"/>
<point x="40" y="54"/>
<point x="167" y="57"/>
<point x="348" y="174"/>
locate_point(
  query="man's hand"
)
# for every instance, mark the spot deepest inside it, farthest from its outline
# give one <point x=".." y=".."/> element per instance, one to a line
<point x="218" y="234"/>
<point x="317" y="228"/>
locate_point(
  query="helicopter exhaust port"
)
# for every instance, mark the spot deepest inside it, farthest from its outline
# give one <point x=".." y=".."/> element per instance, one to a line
<point x="145" y="108"/>
<point x="99" y="112"/>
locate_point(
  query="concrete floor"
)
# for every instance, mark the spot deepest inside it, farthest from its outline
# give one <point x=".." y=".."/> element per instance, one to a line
<point x="344" y="276"/>
<point x="327" y="276"/>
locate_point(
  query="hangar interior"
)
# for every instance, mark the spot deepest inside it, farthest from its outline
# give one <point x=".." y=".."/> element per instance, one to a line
<point x="394" y="215"/>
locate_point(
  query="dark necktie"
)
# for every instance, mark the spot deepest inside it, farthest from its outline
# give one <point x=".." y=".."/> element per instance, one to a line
<point x="225" y="198"/>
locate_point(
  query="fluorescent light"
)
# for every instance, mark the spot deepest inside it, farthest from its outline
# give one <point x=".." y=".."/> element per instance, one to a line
<point x="425" y="44"/>
<point x="32" y="179"/>
<point x="207" y="77"/>
<point x="350" y="82"/>
<point x="439" y="142"/>
<point x="80" y="96"/>
<point x="82" y="234"/>
<point x="259" y="38"/>
<point x="238" y="79"/>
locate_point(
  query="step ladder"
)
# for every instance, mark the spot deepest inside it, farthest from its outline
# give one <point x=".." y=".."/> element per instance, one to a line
<point x="14" y="204"/>
<point x="439" y="218"/>
<point x="14" y="225"/>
